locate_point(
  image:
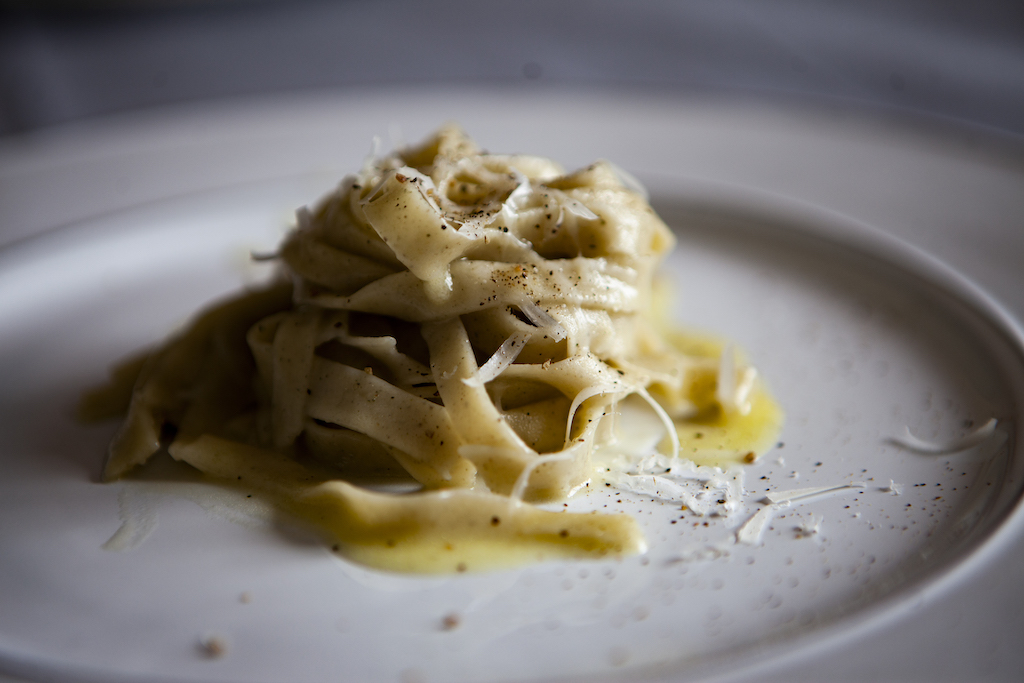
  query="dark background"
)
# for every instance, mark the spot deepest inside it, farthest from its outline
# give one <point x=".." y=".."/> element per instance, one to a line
<point x="954" y="60"/>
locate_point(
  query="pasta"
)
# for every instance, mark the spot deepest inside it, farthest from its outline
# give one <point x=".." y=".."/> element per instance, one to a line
<point x="462" y="322"/>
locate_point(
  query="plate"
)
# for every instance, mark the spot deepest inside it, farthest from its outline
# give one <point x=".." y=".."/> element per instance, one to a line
<point x="858" y="333"/>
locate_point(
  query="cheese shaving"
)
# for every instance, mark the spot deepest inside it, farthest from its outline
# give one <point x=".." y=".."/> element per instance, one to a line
<point x="913" y="443"/>
<point x="752" y="531"/>
<point x="795" y="495"/>
<point x="542" y="319"/>
<point x="502" y="358"/>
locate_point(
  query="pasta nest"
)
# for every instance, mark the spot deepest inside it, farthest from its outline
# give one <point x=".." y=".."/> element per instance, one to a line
<point x="465" y="318"/>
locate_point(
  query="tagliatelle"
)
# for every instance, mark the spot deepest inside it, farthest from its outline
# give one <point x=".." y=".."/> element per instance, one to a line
<point x="465" y="319"/>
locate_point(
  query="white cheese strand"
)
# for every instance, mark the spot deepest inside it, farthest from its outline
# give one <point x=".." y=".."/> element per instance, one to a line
<point x="725" y="389"/>
<point x="910" y="442"/>
<point x="741" y="398"/>
<point x="501" y="359"/>
<point x="578" y="208"/>
<point x="703" y="489"/>
<point x="752" y="531"/>
<point x="516" y="201"/>
<point x="734" y="384"/>
<point x="662" y="488"/>
<point x="542" y="319"/>
<point x="670" y="426"/>
<point x="799" y="495"/>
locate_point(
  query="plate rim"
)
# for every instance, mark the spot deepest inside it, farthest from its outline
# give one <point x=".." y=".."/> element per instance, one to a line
<point x="785" y="216"/>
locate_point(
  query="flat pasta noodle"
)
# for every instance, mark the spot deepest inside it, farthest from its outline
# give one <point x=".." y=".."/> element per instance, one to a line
<point x="364" y="360"/>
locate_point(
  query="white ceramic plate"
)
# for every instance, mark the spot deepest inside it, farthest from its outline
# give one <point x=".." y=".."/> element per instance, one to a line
<point x="858" y="334"/>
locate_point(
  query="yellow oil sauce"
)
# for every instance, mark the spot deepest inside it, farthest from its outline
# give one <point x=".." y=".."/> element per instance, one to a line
<point x="723" y="439"/>
<point x="441" y="531"/>
<point x="714" y="436"/>
<point x="464" y="530"/>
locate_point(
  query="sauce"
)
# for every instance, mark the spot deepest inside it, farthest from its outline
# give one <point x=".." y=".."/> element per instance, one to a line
<point x="453" y="530"/>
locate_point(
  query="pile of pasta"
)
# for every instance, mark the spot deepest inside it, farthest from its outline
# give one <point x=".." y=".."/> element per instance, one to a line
<point x="464" y="319"/>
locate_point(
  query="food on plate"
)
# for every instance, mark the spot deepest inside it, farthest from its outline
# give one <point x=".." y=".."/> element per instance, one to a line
<point x="452" y="338"/>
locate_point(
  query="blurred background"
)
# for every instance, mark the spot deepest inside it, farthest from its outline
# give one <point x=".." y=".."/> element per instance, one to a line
<point x="61" y="61"/>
